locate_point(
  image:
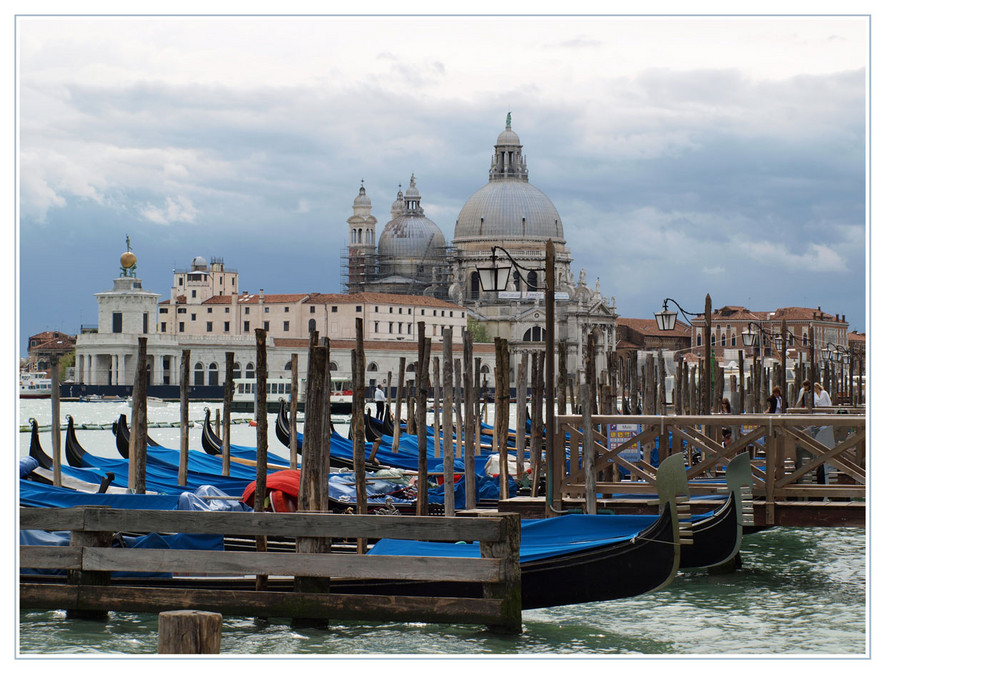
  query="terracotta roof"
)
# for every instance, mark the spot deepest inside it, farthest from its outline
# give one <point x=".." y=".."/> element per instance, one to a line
<point x="855" y="336"/>
<point x="647" y="326"/>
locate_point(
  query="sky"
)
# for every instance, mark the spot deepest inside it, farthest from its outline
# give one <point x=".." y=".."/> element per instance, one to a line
<point x="686" y="155"/>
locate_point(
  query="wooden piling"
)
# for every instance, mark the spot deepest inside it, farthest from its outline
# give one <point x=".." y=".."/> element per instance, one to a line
<point x="537" y="366"/>
<point x="137" y="440"/>
<point x="357" y="418"/>
<point x="227" y="406"/>
<point x="260" y="403"/>
<point x="293" y="413"/>
<point x="418" y="422"/>
<point x="446" y="414"/>
<point x="185" y="431"/>
<point x="502" y="406"/>
<point x="520" y="431"/>
<point x="399" y="403"/>
<point x="189" y="633"/>
<point x="56" y="378"/>
<point x="469" y="444"/>
<point x="589" y="472"/>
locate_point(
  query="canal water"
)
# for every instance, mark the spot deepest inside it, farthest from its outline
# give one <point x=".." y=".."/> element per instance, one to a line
<point x="801" y="592"/>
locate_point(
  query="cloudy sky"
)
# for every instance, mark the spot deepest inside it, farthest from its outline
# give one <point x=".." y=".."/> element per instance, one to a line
<point x="685" y="155"/>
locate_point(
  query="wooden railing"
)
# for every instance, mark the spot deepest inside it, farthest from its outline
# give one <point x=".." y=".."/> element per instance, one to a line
<point x="789" y="458"/>
<point x="90" y="560"/>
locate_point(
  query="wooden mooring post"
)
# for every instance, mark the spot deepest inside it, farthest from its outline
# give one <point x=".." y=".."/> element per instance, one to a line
<point x="185" y="431"/>
<point x="189" y="633"/>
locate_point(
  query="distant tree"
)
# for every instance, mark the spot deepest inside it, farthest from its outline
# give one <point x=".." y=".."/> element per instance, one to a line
<point x="67" y="361"/>
<point x="478" y="331"/>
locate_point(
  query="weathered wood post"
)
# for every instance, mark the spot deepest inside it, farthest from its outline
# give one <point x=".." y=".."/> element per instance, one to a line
<point x="399" y="402"/>
<point x="784" y="361"/>
<point x="447" y="433"/>
<point x="589" y="471"/>
<point x="313" y="489"/>
<point x="293" y="413"/>
<point x="357" y="419"/>
<point x="502" y="403"/>
<point x="227" y="406"/>
<point x="706" y="389"/>
<point x="554" y="471"/>
<point x="459" y="421"/>
<point x="185" y="431"/>
<point x="80" y="538"/>
<point x="137" y="441"/>
<point x="508" y="550"/>
<point x="470" y="419"/>
<point x="438" y="401"/>
<point x="260" y="400"/>
<point x="521" y="431"/>
<point x="189" y="633"/>
<point x="56" y="428"/>
<point x="419" y="420"/>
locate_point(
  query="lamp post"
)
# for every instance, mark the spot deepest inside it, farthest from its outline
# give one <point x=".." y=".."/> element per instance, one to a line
<point x="666" y="319"/>
<point x="780" y="340"/>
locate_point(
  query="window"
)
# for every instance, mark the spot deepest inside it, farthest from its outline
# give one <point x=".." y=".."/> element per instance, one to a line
<point x="376" y="326"/>
<point x="163" y="327"/>
<point x="208" y="326"/>
<point x="357" y="308"/>
<point x="180" y="327"/>
<point x="713" y="340"/>
<point x="210" y="310"/>
<point x="267" y="326"/>
<point x="246" y="311"/>
<point x="227" y="310"/>
<point x="225" y="326"/>
<point x="267" y="310"/>
<point x="535" y="334"/>
<point x="333" y="309"/>
<point x="194" y="316"/>
<point x="145" y="323"/>
<point x="116" y="322"/>
<point x="182" y="310"/>
<point x="286" y="310"/>
<point x="312" y="325"/>
<point x="194" y="294"/>
<point x="163" y="310"/>
<point x="246" y="326"/>
<point x="312" y="310"/>
<point x="284" y="326"/>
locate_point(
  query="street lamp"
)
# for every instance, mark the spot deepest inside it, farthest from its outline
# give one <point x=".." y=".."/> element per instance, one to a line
<point x="666" y="319"/>
<point x="494" y="275"/>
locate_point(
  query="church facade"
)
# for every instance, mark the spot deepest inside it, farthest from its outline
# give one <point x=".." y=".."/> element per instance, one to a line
<point x="508" y="220"/>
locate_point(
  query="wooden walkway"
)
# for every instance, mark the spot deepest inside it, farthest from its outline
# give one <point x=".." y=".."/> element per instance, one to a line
<point x="808" y="470"/>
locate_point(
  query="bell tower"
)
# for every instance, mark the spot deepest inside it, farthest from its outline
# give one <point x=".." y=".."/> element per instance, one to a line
<point x="361" y="247"/>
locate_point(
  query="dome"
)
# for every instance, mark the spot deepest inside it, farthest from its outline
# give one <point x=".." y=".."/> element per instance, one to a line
<point x="410" y="235"/>
<point x="362" y="199"/>
<point x="199" y="264"/>
<point x="508" y="210"/>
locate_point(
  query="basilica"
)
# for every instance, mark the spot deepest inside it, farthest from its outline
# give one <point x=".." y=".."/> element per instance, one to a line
<point x="507" y="219"/>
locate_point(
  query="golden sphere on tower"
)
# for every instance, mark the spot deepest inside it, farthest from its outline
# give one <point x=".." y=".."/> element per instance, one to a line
<point x="128" y="260"/>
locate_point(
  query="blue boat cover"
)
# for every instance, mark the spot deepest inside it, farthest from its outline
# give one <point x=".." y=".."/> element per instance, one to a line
<point x="540" y="539"/>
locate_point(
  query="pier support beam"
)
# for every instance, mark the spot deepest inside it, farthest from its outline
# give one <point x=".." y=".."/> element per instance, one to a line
<point x="189" y="632"/>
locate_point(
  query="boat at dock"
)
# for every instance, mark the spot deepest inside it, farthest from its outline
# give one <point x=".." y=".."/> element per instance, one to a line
<point x="35" y="385"/>
<point x="278" y="390"/>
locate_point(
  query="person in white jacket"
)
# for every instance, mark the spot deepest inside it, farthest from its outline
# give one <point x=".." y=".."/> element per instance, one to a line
<point x="822" y="398"/>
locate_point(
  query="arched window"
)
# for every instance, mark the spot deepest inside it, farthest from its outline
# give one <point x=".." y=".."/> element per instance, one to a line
<point x="517" y="280"/>
<point x="312" y="325"/>
<point x="532" y="280"/>
<point x="535" y="334"/>
<point x="411" y="368"/>
<point x="699" y="339"/>
<point x="732" y="340"/>
<point x="250" y="372"/>
<point x="333" y="366"/>
<point x="474" y="289"/>
<point x="373" y="367"/>
<point x="213" y="375"/>
<point x="199" y="374"/>
<point x="713" y="340"/>
<point x="236" y="370"/>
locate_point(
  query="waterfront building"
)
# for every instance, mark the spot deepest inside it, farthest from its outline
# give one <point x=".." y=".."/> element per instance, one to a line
<point x="208" y="315"/>
<point x="46" y="348"/>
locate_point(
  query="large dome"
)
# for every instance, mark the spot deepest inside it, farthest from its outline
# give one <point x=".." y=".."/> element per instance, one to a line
<point x="508" y="210"/>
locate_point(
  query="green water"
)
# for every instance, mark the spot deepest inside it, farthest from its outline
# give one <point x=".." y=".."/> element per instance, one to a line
<point x="800" y="592"/>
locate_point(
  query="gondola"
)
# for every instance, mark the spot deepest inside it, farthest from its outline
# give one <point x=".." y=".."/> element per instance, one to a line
<point x="43" y="474"/>
<point x="123" y="436"/>
<point x="717" y="537"/>
<point x="643" y="561"/>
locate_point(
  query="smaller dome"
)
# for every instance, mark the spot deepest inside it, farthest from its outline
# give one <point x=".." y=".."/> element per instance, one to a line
<point x="362" y="198"/>
<point x="199" y="264"/>
<point x="412" y="189"/>
<point x="507" y="136"/>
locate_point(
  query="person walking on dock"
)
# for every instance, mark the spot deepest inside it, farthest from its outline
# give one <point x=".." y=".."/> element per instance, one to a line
<point x="822" y="398"/>
<point x="379" y="403"/>
<point x="806" y="389"/>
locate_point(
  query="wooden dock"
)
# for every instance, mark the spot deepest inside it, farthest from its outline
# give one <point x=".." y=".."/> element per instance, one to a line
<point x="89" y="559"/>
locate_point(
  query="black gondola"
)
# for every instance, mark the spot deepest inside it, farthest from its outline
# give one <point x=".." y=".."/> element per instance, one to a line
<point x="45" y="462"/>
<point x="123" y="436"/>
<point x="73" y="450"/>
<point x="717" y="539"/>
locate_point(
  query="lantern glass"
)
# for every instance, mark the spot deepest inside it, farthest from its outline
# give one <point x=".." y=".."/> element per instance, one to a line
<point x="493" y="277"/>
<point x="749" y="338"/>
<point x="666" y="320"/>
